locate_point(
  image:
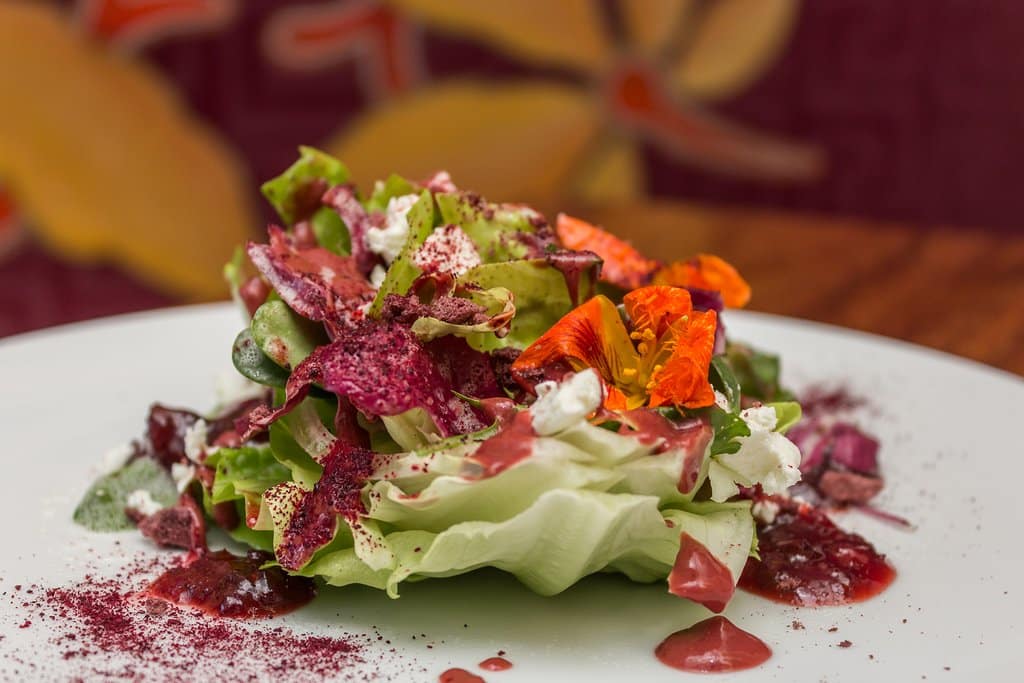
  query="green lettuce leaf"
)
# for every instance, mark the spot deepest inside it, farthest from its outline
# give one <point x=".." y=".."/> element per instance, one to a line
<point x="283" y="335"/>
<point x="757" y="372"/>
<point x="244" y="473"/>
<point x="385" y="190"/>
<point x="499" y="305"/>
<point x="331" y="232"/>
<point x="102" y="506"/>
<point x="490" y="226"/>
<point x="403" y="271"/>
<point x="541" y="298"/>
<point x="253" y="364"/>
<point x="284" y="190"/>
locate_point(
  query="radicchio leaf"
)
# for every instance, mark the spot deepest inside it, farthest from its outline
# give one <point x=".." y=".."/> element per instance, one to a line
<point x="315" y="283"/>
<point x="342" y="199"/>
<point x="352" y="367"/>
<point x="314" y="520"/>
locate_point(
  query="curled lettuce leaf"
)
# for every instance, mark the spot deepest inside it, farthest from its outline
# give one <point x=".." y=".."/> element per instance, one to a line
<point x="403" y="270"/>
<point x="494" y="228"/>
<point x="283" y="335"/>
<point x="499" y="306"/>
<point x="294" y="193"/>
<point x="582" y="499"/>
<point x="541" y="298"/>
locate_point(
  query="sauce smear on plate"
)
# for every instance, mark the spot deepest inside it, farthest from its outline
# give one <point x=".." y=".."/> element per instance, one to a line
<point x="495" y="664"/>
<point x="226" y="585"/>
<point x="807" y="560"/>
<point x="459" y="676"/>
<point x="714" y="645"/>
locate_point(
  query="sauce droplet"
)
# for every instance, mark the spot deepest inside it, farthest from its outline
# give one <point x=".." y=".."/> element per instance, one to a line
<point x="226" y="585"/>
<point x="509" y="446"/>
<point x="712" y="645"/>
<point x="495" y="664"/>
<point x="459" y="676"/>
<point x="700" y="576"/>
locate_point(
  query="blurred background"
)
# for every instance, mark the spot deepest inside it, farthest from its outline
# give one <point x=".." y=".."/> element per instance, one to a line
<point x="858" y="160"/>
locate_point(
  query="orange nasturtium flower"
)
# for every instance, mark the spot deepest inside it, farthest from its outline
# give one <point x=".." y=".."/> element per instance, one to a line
<point x="707" y="272"/>
<point x="624" y="266"/>
<point x="662" y="360"/>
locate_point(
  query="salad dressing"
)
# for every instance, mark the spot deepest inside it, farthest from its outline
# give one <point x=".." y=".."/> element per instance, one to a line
<point x="459" y="676"/>
<point x="807" y="560"/>
<point x="714" y="645"/>
<point x="225" y="585"/>
<point x="495" y="664"/>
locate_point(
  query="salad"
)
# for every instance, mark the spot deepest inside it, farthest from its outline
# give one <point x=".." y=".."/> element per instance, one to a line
<point x="430" y="383"/>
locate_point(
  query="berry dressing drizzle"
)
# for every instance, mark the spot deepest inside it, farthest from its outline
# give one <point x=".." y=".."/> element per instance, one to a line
<point x="226" y="585"/>
<point x="714" y="645"/>
<point x="495" y="664"/>
<point x="808" y="561"/>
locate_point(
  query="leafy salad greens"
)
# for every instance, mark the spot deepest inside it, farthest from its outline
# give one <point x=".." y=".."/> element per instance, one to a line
<point x="432" y="383"/>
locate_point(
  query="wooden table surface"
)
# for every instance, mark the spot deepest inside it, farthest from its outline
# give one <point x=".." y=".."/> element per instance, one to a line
<point x="960" y="291"/>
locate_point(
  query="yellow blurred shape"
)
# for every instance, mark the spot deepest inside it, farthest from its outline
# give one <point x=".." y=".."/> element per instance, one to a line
<point x="512" y="142"/>
<point x="736" y="40"/>
<point x="613" y="173"/>
<point x="567" y="33"/>
<point x="651" y="24"/>
<point x="107" y="164"/>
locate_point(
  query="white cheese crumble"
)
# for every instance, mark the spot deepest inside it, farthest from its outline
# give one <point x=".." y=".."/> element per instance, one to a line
<point x="721" y="401"/>
<point x="195" y="441"/>
<point x="765" y="511"/>
<point x="447" y="250"/>
<point x="115" y="458"/>
<point x="142" y="502"/>
<point x="377" y="276"/>
<point x="182" y="475"/>
<point x="762" y="418"/>
<point x="389" y="240"/>
<point x="561" y="406"/>
<point x="765" y="457"/>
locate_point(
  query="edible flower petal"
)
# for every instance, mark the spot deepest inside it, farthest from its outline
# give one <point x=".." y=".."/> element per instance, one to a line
<point x="624" y="266"/>
<point x="663" y="359"/>
<point x="710" y="273"/>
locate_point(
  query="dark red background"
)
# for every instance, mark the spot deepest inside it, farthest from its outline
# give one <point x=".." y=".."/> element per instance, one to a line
<point x="916" y="103"/>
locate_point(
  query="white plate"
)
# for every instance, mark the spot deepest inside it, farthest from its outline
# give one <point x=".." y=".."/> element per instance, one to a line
<point x="951" y="455"/>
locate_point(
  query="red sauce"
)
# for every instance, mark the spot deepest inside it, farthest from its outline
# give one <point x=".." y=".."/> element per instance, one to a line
<point x="495" y="664"/>
<point x="690" y="436"/>
<point x="807" y="560"/>
<point x="699" y="576"/>
<point x="711" y="646"/>
<point x="227" y="585"/>
<point x="505" y="449"/>
<point x="459" y="676"/>
<point x="579" y="269"/>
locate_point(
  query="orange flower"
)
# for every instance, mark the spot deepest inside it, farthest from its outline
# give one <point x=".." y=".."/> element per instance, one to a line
<point x="663" y="359"/>
<point x="707" y="272"/>
<point x="624" y="266"/>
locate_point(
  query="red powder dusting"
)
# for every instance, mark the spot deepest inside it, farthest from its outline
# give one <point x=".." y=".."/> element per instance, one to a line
<point x="797" y="626"/>
<point x="112" y="631"/>
<point x="845" y="643"/>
